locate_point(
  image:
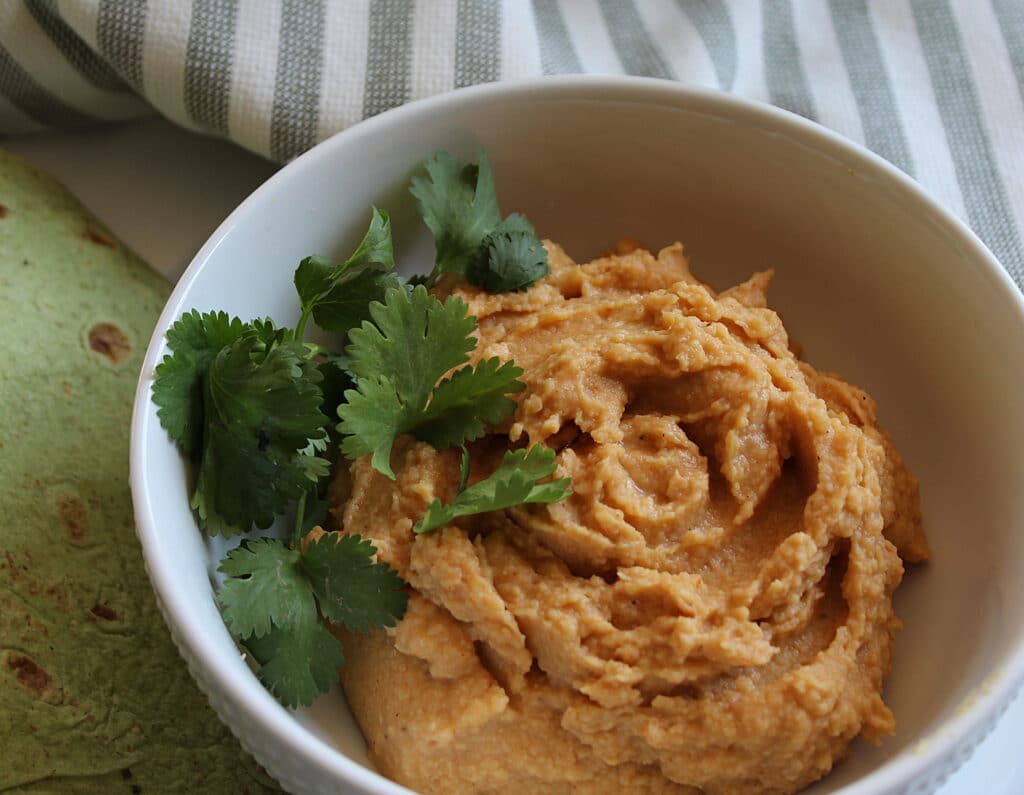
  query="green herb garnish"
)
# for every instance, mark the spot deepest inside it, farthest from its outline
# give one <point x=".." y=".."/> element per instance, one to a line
<point x="516" y="481"/>
<point x="250" y="405"/>
<point x="243" y="401"/>
<point x="398" y="361"/>
<point x="269" y="603"/>
<point x="459" y="204"/>
<point x="338" y="296"/>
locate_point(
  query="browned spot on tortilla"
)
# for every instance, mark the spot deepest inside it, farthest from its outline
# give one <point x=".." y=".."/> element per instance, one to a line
<point x="3" y="211"/>
<point x="95" y="237"/>
<point x="66" y="387"/>
<point x="29" y="673"/>
<point x="108" y="340"/>
<point x="104" y="611"/>
<point x="74" y="516"/>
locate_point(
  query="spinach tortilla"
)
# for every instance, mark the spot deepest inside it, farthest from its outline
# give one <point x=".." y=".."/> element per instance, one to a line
<point x="93" y="695"/>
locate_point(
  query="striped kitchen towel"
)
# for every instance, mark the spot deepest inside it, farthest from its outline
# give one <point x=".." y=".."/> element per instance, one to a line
<point x="935" y="86"/>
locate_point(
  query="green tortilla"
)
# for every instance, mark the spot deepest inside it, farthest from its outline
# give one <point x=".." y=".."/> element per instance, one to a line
<point x="93" y="695"/>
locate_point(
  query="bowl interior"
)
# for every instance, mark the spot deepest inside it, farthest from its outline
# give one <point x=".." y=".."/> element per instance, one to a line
<point x="873" y="282"/>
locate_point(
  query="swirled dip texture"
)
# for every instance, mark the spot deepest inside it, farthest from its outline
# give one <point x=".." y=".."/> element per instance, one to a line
<point x="709" y="612"/>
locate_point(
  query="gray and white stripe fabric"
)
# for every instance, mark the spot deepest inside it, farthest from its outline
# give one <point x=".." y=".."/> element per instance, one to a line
<point x="934" y="86"/>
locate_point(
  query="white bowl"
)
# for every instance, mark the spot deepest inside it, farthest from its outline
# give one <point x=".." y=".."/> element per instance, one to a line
<point x="875" y="279"/>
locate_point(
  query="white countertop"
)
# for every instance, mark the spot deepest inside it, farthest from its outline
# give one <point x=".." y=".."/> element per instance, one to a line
<point x="164" y="190"/>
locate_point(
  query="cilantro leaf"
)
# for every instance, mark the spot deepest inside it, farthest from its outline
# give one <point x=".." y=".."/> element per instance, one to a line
<point x="239" y="485"/>
<point x="337" y="296"/>
<point x="514" y="482"/>
<point x="515" y="223"/>
<point x="313" y="278"/>
<point x="376" y="249"/>
<point x="397" y="364"/>
<point x="266" y="586"/>
<point x="270" y="394"/>
<point x="242" y="400"/>
<point x="194" y="339"/>
<point x="312" y="467"/>
<point x="463" y="403"/>
<point x="372" y="417"/>
<point x="347" y="304"/>
<point x="198" y="336"/>
<point x="299" y="661"/>
<point x="414" y="339"/>
<point x="267" y="335"/>
<point x="459" y="204"/>
<point x="351" y="588"/>
<point x="260" y="421"/>
<point x="178" y="394"/>
<point x="316" y="275"/>
<point x="270" y="602"/>
<point x="510" y="258"/>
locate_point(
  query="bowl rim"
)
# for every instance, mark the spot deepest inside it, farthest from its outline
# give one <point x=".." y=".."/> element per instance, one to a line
<point x="982" y="707"/>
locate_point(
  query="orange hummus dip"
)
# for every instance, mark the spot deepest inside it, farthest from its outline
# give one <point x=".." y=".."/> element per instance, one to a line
<point x="710" y="612"/>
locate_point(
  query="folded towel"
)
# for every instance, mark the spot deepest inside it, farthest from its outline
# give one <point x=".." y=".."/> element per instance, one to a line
<point x="934" y="86"/>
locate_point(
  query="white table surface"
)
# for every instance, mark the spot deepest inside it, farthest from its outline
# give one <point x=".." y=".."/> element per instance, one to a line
<point x="164" y="190"/>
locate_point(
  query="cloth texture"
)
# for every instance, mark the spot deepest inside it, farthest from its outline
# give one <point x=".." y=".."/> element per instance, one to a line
<point x="934" y="86"/>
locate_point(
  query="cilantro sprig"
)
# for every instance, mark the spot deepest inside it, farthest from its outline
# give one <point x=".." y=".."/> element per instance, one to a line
<point x="337" y="296"/>
<point x="250" y="405"/>
<point x="459" y="204"/>
<point x="516" y="481"/>
<point x="271" y="597"/>
<point x="244" y="402"/>
<point x="398" y="361"/>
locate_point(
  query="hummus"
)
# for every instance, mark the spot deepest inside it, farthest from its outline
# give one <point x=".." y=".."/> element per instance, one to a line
<point x="710" y="612"/>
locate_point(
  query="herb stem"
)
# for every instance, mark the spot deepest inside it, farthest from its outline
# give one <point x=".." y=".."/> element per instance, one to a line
<point x="300" y="515"/>
<point x="464" y="469"/>
<point x="300" y="327"/>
